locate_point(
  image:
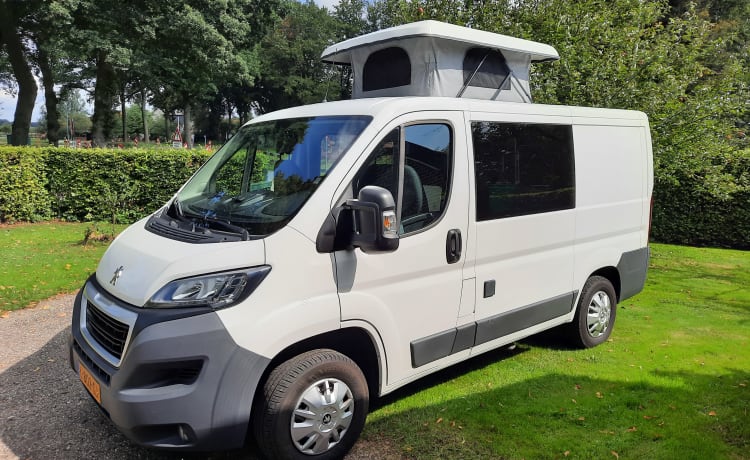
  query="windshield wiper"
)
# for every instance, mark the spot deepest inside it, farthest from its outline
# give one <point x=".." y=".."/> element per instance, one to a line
<point x="226" y="226"/>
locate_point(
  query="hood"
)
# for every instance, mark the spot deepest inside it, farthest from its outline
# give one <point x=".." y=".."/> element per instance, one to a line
<point x="147" y="262"/>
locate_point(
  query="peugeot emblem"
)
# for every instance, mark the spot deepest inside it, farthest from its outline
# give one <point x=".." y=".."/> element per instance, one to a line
<point x="116" y="276"/>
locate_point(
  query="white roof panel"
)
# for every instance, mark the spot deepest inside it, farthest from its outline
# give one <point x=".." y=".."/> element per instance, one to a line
<point x="340" y="53"/>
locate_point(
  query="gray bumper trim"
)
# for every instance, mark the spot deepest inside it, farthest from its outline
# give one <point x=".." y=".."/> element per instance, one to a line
<point x="184" y="374"/>
<point x="633" y="266"/>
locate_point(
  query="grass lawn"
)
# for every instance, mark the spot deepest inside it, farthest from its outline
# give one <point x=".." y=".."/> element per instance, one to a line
<point x="41" y="260"/>
<point x="672" y="382"/>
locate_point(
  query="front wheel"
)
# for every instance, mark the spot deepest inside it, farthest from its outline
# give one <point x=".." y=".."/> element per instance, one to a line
<point x="595" y="315"/>
<point x="314" y="407"/>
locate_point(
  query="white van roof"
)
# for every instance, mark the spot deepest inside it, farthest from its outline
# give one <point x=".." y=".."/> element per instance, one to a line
<point x="431" y="58"/>
<point x="391" y="107"/>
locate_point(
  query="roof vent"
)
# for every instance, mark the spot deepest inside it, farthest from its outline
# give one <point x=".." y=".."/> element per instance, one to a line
<point x="431" y="58"/>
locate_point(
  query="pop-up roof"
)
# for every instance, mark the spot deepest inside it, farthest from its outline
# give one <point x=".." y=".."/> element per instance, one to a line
<point x="431" y="58"/>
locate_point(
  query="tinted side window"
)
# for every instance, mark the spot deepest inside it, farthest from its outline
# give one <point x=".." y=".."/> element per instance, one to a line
<point x="386" y="68"/>
<point x="522" y="169"/>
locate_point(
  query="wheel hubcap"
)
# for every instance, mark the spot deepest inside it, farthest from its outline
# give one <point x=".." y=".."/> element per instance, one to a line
<point x="599" y="314"/>
<point x="322" y="416"/>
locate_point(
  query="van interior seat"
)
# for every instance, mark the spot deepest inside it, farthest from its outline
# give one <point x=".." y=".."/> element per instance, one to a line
<point x="382" y="176"/>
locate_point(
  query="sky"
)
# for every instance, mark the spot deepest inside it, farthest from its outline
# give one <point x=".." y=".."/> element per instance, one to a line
<point x="8" y="105"/>
<point x="8" y="102"/>
<point x="327" y="3"/>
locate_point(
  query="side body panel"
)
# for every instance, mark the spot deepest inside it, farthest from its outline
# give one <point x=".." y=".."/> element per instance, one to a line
<point x="524" y="264"/>
<point x="614" y="186"/>
<point x="413" y="292"/>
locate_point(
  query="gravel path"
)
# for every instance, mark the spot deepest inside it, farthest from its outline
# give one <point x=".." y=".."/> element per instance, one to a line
<point x="45" y="411"/>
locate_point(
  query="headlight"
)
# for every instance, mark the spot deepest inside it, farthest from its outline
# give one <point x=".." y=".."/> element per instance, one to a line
<point x="218" y="290"/>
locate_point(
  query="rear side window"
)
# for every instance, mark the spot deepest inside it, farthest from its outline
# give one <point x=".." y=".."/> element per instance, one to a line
<point x="522" y="169"/>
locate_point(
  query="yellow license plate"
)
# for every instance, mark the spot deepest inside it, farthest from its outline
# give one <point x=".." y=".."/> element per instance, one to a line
<point x="90" y="383"/>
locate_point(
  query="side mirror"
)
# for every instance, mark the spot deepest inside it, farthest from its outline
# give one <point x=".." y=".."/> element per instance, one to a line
<point x="375" y="226"/>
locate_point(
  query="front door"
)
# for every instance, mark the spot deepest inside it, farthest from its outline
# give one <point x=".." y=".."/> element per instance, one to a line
<point x="412" y="296"/>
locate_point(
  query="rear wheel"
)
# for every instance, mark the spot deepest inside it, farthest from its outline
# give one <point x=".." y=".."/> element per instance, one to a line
<point x="595" y="315"/>
<point x="314" y="407"/>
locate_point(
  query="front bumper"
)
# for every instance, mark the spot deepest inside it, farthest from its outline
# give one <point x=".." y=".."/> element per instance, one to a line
<point x="182" y="382"/>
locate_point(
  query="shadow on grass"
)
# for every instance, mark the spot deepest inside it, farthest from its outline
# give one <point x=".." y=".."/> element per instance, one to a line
<point x="46" y="413"/>
<point x="685" y="415"/>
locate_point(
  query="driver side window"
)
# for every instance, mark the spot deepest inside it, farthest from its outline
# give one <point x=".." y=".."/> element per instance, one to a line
<point x="421" y="184"/>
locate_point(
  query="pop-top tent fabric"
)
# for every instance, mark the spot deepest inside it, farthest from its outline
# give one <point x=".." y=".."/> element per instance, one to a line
<point x="431" y="58"/>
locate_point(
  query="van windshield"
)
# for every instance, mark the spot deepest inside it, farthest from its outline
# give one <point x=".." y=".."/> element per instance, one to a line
<point x="264" y="174"/>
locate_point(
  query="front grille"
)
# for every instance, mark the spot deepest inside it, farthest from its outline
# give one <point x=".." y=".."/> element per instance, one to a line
<point x="91" y="365"/>
<point x="110" y="333"/>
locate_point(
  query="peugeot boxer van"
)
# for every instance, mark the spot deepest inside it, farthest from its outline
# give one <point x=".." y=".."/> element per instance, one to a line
<point x="331" y="253"/>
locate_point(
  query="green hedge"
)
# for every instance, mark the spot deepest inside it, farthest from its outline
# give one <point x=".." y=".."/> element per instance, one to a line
<point x="124" y="185"/>
<point x="90" y="184"/>
<point x="686" y="214"/>
<point x="23" y="185"/>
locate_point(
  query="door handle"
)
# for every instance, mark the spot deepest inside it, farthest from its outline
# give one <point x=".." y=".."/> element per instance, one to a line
<point x="453" y="245"/>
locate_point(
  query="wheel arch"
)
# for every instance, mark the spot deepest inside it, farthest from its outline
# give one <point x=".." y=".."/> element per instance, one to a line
<point x="354" y="342"/>
<point x="611" y="274"/>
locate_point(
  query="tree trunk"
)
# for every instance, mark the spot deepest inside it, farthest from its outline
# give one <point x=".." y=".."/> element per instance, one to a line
<point x="104" y="93"/>
<point x="188" y="135"/>
<point x="123" y="115"/>
<point x="50" y="98"/>
<point x="26" y="84"/>
<point x="143" y="116"/>
<point x="229" y="119"/>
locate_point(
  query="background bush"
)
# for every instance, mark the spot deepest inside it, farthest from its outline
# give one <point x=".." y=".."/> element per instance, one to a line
<point x="91" y="184"/>
<point x="687" y="210"/>
<point x="23" y="185"/>
<point x="125" y="185"/>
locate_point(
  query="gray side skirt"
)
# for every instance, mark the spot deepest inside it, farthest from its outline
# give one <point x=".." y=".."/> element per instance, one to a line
<point x="442" y="344"/>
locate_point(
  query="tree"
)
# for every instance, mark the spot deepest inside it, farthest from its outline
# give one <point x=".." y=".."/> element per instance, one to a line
<point x="135" y="121"/>
<point x="193" y="47"/>
<point x="293" y="72"/>
<point x="45" y="25"/>
<point x="11" y="39"/>
<point x="73" y="121"/>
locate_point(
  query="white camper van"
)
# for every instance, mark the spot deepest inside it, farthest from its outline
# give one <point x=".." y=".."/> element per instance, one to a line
<point x="338" y="251"/>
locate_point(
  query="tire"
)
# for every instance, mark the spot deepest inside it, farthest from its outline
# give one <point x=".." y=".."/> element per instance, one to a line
<point x="595" y="314"/>
<point x="313" y="407"/>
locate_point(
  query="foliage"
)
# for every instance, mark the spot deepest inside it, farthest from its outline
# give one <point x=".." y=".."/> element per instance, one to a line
<point x="119" y="186"/>
<point x="134" y="120"/>
<point x="293" y="73"/>
<point x="690" y="214"/>
<point x="116" y="185"/>
<point x="669" y="383"/>
<point x="73" y="120"/>
<point x="23" y="181"/>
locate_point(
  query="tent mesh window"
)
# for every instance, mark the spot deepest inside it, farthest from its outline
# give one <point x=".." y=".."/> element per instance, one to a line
<point x="386" y="68"/>
<point x="492" y="70"/>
